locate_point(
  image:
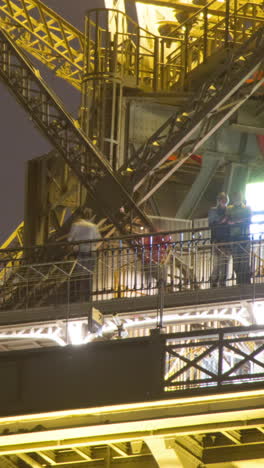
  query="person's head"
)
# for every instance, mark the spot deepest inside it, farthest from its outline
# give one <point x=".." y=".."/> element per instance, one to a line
<point x="84" y="214"/>
<point x="87" y="213"/>
<point x="222" y="199"/>
<point x="237" y="198"/>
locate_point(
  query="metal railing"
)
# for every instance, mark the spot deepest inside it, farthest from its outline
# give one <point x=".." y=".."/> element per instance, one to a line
<point x="118" y="53"/>
<point x="156" y="63"/>
<point x="118" y="47"/>
<point x="127" y="267"/>
<point x="211" y="29"/>
<point x="214" y="358"/>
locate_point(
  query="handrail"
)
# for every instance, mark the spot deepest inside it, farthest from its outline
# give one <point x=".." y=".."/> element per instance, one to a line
<point x="197" y="13"/>
<point x="158" y="237"/>
<point x="94" y="10"/>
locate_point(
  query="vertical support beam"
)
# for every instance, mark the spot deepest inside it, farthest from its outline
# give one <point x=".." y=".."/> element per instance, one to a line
<point x="192" y="199"/>
<point x="29" y="460"/>
<point x="165" y="457"/>
<point x="236" y="178"/>
<point x="36" y="203"/>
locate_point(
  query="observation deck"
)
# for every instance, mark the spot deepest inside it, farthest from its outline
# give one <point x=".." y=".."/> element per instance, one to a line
<point x="138" y="283"/>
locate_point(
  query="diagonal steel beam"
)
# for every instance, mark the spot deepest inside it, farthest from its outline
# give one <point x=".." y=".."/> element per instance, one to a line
<point x="106" y="194"/>
<point x="46" y="35"/>
<point x="218" y="99"/>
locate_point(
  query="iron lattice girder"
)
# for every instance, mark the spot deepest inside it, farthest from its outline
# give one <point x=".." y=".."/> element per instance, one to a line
<point x="45" y="35"/>
<point x="64" y="133"/>
<point x="198" y="423"/>
<point x="183" y="133"/>
<point x="215" y="358"/>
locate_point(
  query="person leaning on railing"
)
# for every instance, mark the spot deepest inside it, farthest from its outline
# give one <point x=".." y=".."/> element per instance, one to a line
<point x="239" y="219"/>
<point x="85" y="253"/>
<point x="217" y="219"/>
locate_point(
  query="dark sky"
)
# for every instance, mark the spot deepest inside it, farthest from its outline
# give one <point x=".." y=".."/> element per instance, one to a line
<point x="20" y="140"/>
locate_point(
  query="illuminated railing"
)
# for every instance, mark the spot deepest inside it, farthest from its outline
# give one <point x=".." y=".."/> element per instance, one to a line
<point x="214" y="358"/>
<point x="127" y="267"/>
<point x="155" y="63"/>
<point x="211" y="29"/>
<point x="125" y="51"/>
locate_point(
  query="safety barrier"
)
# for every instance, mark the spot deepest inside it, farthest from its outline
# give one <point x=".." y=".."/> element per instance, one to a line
<point x="127" y="267"/>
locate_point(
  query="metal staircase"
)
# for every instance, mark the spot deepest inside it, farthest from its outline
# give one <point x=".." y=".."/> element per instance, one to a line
<point x="65" y="134"/>
<point x="234" y="81"/>
<point x="217" y="99"/>
<point x="204" y="39"/>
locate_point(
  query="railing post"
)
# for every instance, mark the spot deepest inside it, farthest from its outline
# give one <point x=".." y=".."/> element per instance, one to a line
<point x="156" y="64"/>
<point x="185" y="65"/>
<point x="119" y="262"/>
<point x="227" y="23"/>
<point x="220" y="359"/>
<point x="205" y="38"/>
<point x="137" y="58"/>
<point x="161" y="292"/>
<point x="235" y="21"/>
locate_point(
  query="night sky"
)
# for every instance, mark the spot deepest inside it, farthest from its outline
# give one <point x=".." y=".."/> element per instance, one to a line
<point x="20" y="140"/>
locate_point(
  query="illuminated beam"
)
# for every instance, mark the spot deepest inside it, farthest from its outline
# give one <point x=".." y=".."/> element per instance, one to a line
<point x="146" y="428"/>
<point x="118" y="450"/>
<point x="83" y="453"/>
<point x="233" y="454"/>
<point x="48" y="457"/>
<point x="180" y="6"/>
<point x="233" y="436"/>
<point x="187" y="456"/>
<point x="29" y="460"/>
<point x="165" y="456"/>
<point x="7" y="463"/>
<point x="248" y="463"/>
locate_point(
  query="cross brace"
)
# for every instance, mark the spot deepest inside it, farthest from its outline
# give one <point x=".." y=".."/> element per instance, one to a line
<point x="183" y="133"/>
<point x="106" y="194"/>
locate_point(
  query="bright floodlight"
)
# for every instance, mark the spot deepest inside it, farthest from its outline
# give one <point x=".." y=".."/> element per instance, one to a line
<point x="255" y="199"/>
<point x="255" y="196"/>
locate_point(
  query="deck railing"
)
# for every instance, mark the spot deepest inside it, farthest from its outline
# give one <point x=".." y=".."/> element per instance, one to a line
<point x="126" y="267"/>
<point x="213" y="358"/>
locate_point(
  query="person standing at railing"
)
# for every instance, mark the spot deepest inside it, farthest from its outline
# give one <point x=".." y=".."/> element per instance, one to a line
<point x="217" y="220"/>
<point x="83" y="230"/>
<point x="239" y="219"/>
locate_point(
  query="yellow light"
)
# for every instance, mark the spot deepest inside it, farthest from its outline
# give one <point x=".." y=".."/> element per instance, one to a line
<point x="133" y="406"/>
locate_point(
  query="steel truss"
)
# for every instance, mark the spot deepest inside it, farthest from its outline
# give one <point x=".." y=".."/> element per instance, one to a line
<point x="183" y="133"/>
<point x="46" y="36"/>
<point x="195" y="424"/>
<point x="215" y="358"/>
<point x="64" y="133"/>
<point x="75" y="331"/>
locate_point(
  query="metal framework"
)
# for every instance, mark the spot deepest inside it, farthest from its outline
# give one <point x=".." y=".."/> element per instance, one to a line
<point x="86" y="161"/>
<point x="124" y="325"/>
<point x="45" y="35"/>
<point x="126" y="268"/>
<point x="214" y="358"/>
<point x="182" y="134"/>
<point x="217" y="99"/>
<point x="192" y="427"/>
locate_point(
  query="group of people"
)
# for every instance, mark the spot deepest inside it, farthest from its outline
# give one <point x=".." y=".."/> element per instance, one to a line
<point x="230" y="229"/>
